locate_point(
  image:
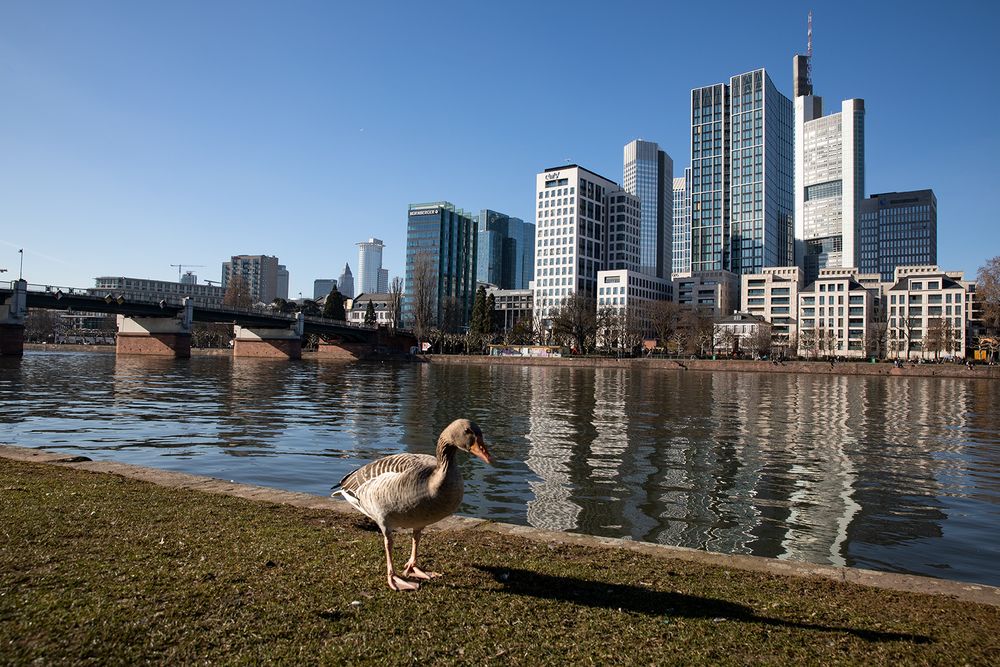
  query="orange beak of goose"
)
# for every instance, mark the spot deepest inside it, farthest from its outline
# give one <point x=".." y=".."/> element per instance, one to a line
<point x="479" y="450"/>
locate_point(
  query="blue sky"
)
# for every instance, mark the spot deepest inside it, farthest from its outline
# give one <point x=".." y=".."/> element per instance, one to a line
<point x="138" y="135"/>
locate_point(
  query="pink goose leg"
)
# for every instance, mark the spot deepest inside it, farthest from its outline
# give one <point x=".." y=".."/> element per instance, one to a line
<point x="395" y="583"/>
<point x="411" y="569"/>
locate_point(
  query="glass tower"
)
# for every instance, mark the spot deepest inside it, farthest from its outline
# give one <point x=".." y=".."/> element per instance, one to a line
<point x="897" y="229"/>
<point x="503" y="250"/>
<point x="682" y="225"/>
<point x="648" y="173"/>
<point x="741" y="182"/>
<point x="446" y="238"/>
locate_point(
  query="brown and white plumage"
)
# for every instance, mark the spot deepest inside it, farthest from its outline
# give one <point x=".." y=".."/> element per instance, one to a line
<point x="413" y="491"/>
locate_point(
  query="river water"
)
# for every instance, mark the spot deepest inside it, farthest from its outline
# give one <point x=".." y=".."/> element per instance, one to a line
<point x="893" y="474"/>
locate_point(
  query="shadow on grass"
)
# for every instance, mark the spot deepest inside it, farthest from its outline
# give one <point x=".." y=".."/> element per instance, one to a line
<point x="658" y="603"/>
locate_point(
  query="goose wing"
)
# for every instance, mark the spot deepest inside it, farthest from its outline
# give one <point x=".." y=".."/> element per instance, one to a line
<point x="397" y="464"/>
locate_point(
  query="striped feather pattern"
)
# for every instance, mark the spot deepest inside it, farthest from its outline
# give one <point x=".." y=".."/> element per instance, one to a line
<point x="401" y="463"/>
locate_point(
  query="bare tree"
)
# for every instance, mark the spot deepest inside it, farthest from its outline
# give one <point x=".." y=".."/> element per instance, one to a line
<point x="576" y="321"/>
<point x="451" y="314"/>
<point x="760" y="340"/>
<point x="238" y="294"/>
<point x="988" y="293"/>
<point x="395" y="303"/>
<point x="724" y="341"/>
<point x="665" y="317"/>
<point x="934" y="336"/>
<point x="424" y="295"/>
<point x="606" y="327"/>
<point x="39" y="325"/>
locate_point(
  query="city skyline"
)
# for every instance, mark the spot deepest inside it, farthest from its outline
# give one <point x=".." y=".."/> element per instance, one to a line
<point x="254" y="129"/>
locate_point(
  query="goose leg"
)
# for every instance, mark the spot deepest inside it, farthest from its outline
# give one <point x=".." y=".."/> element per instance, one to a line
<point x="411" y="569"/>
<point x="395" y="583"/>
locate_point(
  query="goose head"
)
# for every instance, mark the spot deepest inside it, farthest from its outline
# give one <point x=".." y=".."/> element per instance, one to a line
<point x="466" y="435"/>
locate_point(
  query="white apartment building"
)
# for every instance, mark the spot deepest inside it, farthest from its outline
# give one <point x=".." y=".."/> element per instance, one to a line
<point x="928" y="311"/>
<point x="714" y="292"/>
<point x="773" y="295"/>
<point x="358" y="307"/>
<point x="837" y="314"/>
<point x="630" y="293"/>
<point x="829" y="179"/>
<point x="739" y="333"/>
<point x="571" y="234"/>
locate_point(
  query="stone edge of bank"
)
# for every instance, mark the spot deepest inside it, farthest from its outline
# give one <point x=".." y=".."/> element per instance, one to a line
<point x="967" y="592"/>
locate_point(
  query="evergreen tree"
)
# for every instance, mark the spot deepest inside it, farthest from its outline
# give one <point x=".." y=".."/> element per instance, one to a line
<point x="334" y="307"/>
<point x="370" y="318"/>
<point x="478" y="324"/>
<point x="491" y="309"/>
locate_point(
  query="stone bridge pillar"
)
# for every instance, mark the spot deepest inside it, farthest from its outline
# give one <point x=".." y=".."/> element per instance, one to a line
<point x="270" y="343"/>
<point x="159" y="336"/>
<point x="12" y="317"/>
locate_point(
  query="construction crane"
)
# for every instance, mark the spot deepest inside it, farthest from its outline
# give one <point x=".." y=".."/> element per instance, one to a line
<point x="212" y="282"/>
<point x="180" y="267"/>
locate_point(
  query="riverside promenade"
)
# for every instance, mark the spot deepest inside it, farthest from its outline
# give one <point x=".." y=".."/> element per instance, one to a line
<point x="884" y="369"/>
<point x="103" y="562"/>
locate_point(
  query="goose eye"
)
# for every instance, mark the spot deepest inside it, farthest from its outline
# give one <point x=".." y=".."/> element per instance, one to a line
<point x="468" y="431"/>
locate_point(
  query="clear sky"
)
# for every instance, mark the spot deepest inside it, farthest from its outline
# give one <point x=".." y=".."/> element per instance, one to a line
<point x="135" y="135"/>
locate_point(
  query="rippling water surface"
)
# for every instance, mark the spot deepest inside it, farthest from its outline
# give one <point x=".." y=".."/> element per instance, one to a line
<point x="894" y="474"/>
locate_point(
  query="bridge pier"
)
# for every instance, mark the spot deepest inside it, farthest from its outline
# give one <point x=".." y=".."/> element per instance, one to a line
<point x="12" y="317"/>
<point x="157" y="336"/>
<point x="264" y="343"/>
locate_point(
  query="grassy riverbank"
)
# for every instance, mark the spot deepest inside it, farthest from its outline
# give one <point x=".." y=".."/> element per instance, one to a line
<point x="95" y="568"/>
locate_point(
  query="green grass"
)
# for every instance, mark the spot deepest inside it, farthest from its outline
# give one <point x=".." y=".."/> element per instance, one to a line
<point x="97" y="569"/>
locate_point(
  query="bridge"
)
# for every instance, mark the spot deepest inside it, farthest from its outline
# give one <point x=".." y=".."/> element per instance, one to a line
<point x="163" y="327"/>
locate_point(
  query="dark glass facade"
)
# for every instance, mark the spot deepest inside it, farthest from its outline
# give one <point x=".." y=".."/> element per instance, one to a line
<point x="447" y="235"/>
<point x="504" y="250"/>
<point x="648" y="174"/>
<point x="897" y="229"/>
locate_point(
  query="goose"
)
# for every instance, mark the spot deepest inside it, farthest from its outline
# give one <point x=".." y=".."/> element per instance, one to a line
<point x="413" y="491"/>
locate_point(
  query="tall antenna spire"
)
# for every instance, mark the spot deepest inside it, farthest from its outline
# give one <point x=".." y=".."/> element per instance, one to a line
<point x="809" y="50"/>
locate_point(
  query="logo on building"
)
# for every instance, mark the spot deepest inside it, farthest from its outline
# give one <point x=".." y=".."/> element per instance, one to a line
<point x="425" y="211"/>
<point x="551" y="175"/>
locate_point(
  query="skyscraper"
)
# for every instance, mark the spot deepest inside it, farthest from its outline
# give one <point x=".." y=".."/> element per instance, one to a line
<point x="345" y="283"/>
<point x="441" y="250"/>
<point x="897" y="229"/>
<point x="648" y="173"/>
<point x="259" y="272"/>
<point x="682" y="225"/>
<point x="573" y="236"/>
<point x="322" y="287"/>
<point x="829" y="177"/>
<point x="503" y="249"/>
<point x="741" y="175"/>
<point x="282" y="277"/>
<point x="370" y="271"/>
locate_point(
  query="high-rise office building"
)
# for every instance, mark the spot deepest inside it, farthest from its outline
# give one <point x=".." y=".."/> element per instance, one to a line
<point x="648" y="173"/>
<point x="282" y="277"/>
<point x="441" y="250"/>
<point x="572" y="234"/>
<point x="897" y="229"/>
<point x="741" y="175"/>
<point x="259" y="272"/>
<point x="373" y="278"/>
<point x="322" y="287"/>
<point x="505" y="245"/>
<point x="829" y="178"/>
<point x="681" y="263"/>
<point x="345" y="283"/>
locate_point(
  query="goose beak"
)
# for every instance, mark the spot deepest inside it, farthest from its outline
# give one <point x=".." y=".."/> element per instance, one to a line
<point x="479" y="450"/>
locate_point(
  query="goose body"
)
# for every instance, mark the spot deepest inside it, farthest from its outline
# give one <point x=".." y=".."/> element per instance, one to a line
<point x="413" y="491"/>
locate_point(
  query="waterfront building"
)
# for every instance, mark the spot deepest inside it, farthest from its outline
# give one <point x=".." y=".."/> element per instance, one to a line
<point x="930" y="313"/>
<point x="441" y="243"/>
<point x="345" y="283"/>
<point x="648" y="173"/>
<point x="359" y="308"/>
<point x="322" y="287"/>
<point x="838" y="314"/>
<point x="629" y="294"/>
<point x="623" y="249"/>
<point x="773" y="294"/>
<point x="144" y="289"/>
<point x="570" y="235"/>
<point x="829" y="178"/>
<point x="259" y="273"/>
<point x="505" y="250"/>
<point x="371" y="275"/>
<point x="741" y="176"/>
<point x="741" y="333"/>
<point x="681" y="261"/>
<point x="511" y="306"/>
<point x="897" y="229"/>
<point x="715" y="293"/>
<point x="282" y="289"/>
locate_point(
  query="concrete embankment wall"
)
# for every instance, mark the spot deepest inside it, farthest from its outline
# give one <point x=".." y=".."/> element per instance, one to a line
<point x="812" y="367"/>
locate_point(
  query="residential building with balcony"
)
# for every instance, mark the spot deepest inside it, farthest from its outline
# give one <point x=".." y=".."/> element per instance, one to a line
<point x="930" y="313"/>
<point x="716" y="293"/>
<point x="773" y="295"/>
<point x="837" y="315"/>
